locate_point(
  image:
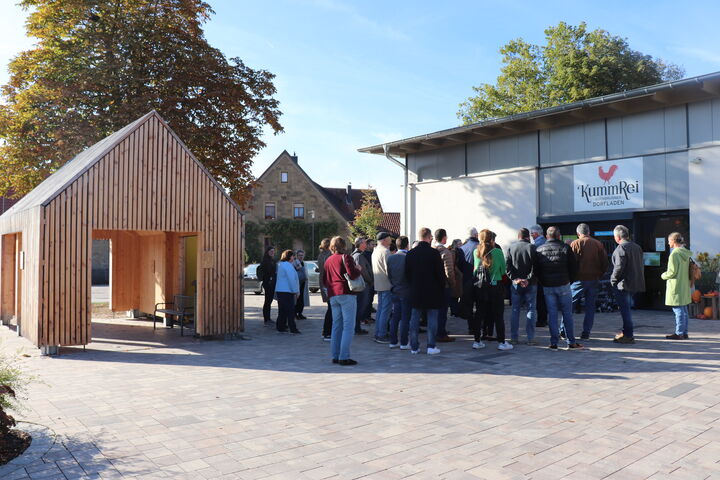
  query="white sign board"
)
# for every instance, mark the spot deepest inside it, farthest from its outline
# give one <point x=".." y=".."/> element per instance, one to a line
<point x="660" y="244"/>
<point x="609" y="185"/>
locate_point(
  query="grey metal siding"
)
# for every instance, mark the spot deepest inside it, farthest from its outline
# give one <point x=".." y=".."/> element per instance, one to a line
<point x="665" y="182"/>
<point x="572" y="144"/>
<point x="704" y="122"/>
<point x="503" y="153"/>
<point x="438" y="164"/>
<point x="647" y="133"/>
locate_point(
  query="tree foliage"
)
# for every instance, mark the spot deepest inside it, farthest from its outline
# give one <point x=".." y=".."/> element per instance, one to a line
<point x="573" y="65"/>
<point x="368" y="217"/>
<point x="283" y="232"/>
<point x="97" y="66"/>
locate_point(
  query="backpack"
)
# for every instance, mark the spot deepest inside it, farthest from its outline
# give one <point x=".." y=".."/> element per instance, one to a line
<point x="260" y="273"/>
<point x="482" y="275"/>
<point x="694" y="272"/>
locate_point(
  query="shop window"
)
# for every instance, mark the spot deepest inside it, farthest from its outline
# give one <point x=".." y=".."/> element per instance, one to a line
<point x="269" y="211"/>
<point x="299" y="210"/>
<point x="283" y="177"/>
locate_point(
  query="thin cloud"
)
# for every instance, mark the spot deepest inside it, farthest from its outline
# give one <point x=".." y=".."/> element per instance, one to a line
<point x="706" y="55"/>
<point x="367" y="23"/>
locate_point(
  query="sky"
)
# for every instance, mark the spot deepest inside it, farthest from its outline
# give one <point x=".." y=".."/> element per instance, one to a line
<point x="355" y="74"/>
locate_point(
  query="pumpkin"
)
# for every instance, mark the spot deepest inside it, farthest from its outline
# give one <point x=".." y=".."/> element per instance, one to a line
<point x="696" y="295"/>
<point x="708" y="312"/>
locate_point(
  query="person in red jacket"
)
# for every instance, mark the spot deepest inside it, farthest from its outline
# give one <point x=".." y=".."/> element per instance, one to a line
<point x="342" y="302"/>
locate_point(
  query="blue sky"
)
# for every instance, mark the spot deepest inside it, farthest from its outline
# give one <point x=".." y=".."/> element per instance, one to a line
<point x="354" y="74"/>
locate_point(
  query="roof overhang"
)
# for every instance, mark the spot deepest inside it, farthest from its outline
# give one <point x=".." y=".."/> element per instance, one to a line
<point x="633" y="101"/>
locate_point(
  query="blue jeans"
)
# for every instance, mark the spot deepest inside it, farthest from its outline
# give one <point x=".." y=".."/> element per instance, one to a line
<point x="681" y="319"/>
<point x="432" y="316"/>
<point x="400" y="318"/>
<point x="529" y="296"/>
<point x="343" y="311"/>
<point x="559" y="299"/>
<point x="589" y="288"/>
<point x="442" y="316"/>
<point x="382" y="318"/>
<point x="625" y="300"/>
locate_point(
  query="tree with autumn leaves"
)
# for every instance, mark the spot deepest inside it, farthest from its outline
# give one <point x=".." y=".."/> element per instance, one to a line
<point x="98" y="66"/>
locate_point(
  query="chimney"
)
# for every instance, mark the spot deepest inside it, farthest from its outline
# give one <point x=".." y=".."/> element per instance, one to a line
<point x="348" y="194"/>
<point x="294" y="157"/>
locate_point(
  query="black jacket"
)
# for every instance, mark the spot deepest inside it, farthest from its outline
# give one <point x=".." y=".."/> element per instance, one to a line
<point x="269" y="270"/>
<point x="520" y="261"/>
<point x="426" y="274"/>
<point x="628" y="272"/>
<point x="555" y="264"/>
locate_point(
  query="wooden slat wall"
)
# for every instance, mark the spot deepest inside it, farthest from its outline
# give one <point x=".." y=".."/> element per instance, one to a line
<point x="29" y="224"/>
<point x="147" y="183"/>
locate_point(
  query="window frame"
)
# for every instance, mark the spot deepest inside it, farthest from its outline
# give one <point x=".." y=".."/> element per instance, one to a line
<point x="297" y="206"/>
<point x="265" y="213"/>
<point x="287" y="177"/>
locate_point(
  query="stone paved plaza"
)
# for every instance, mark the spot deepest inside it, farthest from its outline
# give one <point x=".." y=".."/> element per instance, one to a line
<point x="138" y="405"/>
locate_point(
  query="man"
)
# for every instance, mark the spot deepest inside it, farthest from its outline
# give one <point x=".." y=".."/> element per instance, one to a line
<point x="627" y="279"/>
<point x="536" y="234"/>
<point x="426" y="275"/>
<point x="362" y="312"/>
<point x="448" y="258"/>
<point x="556" y="269"/>
<point x="303" y="297"/>
<point x="520" y="263"/>
<point x="592" y="263"/>
<point x="468" y="251"/>
<point x="382" y="286"/>
<point x="400" y="294"/>
<point x="371" y="293"/>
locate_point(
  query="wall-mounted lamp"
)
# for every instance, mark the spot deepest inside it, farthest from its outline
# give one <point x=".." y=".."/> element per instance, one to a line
<point x="696" y="160"/>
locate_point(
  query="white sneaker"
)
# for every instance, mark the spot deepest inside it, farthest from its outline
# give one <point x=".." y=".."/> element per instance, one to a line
<point x="478" y="345"/>
<point x="505" y="346"/>
<point x="404" y="347"/>
<point x="433" y="351"/>
<point x="414" y="352"/>
<point x="394" y="345"/>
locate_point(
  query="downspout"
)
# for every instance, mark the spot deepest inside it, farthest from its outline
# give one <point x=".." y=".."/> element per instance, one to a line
<point x="400" y="164"/>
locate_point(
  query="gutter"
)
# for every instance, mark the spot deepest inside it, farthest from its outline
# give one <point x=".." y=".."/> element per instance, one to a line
<point x="405" y="209"/>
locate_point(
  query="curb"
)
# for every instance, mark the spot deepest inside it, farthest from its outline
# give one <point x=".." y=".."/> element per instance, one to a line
<point x="43" y="439"/>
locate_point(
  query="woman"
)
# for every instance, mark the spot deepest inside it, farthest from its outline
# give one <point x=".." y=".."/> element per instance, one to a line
<point x="304" y="297"/>
<point x="287" y="288"/>
<point x="677" y="293"/>
<point x="322" y="257"/>
<point x="342" y="302"/>
<point x="489" y="290"/>
<point x="455" y="307"/>
<point x="268" y="273"/>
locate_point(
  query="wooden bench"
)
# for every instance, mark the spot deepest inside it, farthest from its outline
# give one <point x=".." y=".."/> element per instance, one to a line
<point x="182" y="307"/>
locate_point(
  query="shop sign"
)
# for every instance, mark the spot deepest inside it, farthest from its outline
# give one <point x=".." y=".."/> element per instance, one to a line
<point x="610" y="185"/>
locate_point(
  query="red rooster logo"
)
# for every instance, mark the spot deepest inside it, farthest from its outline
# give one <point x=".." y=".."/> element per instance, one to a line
<point x="607" y="175"/>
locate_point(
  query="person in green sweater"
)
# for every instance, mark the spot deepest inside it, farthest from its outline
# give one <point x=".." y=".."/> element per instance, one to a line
<point x="489" y="292"/>
<point x="677" y="293"/>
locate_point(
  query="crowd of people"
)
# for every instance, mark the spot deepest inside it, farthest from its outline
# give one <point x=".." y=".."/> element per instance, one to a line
<point x="415" y="287"/>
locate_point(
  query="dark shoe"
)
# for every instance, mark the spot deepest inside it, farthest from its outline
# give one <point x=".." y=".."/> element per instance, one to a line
<point x="562" y="335"/>
<point x="300" y="316"/>
<point x="541" y="324"/>
<point x="381" y="340"/>
<point x="326" y="338"/>
<point x="335" y="360"/>
<point x="269" y="323"/>
<point x="624" y="339"/>
<point x="553" y="348"/>
<point x="295" y="332"/>
<point x="372" y="310"/>
<point x="421" y="330"/>
<point x="575" y="346"/>
<point x="349" y="361"/>
<point x="585" y="336"/>
<point x="685" y="336"/>
<point x="283" y="331"/>
<point x="675" y="336"/>
<point x="361" y="332"/>
<point x="445" y="339"/>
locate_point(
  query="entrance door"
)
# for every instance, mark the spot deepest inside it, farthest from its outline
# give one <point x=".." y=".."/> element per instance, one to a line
<point x="190" y="274"/>
<point x="651" y="232"/>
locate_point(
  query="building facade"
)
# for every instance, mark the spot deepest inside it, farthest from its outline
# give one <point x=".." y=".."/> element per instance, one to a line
<point x="286" y="192"/>
<point x="647" y="158"/>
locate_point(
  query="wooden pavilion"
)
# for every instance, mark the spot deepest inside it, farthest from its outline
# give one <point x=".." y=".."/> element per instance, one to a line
<point x="171" y="227"/>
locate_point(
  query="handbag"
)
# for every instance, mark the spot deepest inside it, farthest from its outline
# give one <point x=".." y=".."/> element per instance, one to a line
<point x="357" y="285"/>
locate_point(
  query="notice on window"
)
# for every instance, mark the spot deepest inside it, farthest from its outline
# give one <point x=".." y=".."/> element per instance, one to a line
<point x="660" y="244"/>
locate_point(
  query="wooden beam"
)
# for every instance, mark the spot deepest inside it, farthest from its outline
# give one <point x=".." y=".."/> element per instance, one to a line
<point x="712" y="88"/>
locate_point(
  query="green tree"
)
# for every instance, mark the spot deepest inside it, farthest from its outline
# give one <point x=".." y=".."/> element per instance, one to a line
<point x="573" y="65"/>
<point x="368" y="217"/>
<point x="97" y="66"/>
